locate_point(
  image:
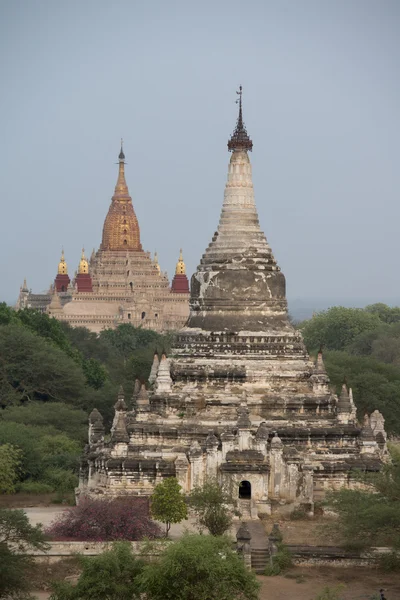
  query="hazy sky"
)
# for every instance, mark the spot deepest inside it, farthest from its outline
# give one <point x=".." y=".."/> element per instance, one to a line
<point x="321" y="103"/>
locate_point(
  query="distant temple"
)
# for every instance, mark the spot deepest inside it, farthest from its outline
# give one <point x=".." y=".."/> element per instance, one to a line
<point x="238" y="398"/>
<point x="120" y="283"/>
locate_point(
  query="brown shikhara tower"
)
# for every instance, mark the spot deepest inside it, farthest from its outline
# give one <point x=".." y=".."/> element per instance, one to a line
<point x="121" y="228"/>
<point x="239" y="398"/>
<point x="121" y="282"/>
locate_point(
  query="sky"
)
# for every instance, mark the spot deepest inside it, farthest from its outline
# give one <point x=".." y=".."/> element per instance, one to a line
<point x="321" y="101"/>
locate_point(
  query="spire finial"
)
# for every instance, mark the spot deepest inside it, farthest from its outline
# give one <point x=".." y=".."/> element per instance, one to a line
<point x="121" y="154"/>
<point x="180" y="265"/>
<point x="240" y="139"/>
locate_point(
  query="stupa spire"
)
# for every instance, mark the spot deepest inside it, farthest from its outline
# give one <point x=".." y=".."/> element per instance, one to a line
<point x="240" y="139"/>
<point x="238" y="285"/>
<point x="121" y="188"/>
<point x="121" y="228"/>
<point x="62" y="265"/>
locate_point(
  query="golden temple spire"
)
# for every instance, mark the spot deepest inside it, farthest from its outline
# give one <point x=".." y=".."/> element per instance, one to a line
<point x="156" y="262"/>
<point x="180" y="265"/>
<point x="83" y="263"/>
<point x="121" y="228"/>
<point x="121" y="189"/>
<point x="62" y="265"/>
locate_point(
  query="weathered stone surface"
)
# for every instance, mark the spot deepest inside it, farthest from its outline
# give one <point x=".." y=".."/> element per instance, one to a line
<point x="239" y="398"/>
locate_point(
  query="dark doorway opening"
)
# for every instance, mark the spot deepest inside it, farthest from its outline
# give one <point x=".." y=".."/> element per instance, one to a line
<point x="245" y="490"/>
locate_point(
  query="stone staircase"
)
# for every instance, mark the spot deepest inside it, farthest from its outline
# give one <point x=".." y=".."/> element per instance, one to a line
<point x="245" y="509"/>
<point x="259" y="559"/>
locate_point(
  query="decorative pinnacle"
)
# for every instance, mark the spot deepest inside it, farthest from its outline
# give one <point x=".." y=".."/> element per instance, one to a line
<point x="240" y="139"/>
<point x="121" y="155"/>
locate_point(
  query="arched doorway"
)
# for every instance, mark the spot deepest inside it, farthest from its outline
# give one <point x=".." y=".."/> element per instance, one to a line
<point x="245" y="490"/>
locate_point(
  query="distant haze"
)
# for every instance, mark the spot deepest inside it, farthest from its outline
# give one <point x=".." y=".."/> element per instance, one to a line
<point x="321" y="103"/>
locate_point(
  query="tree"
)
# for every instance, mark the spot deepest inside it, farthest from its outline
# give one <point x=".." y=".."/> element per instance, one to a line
<point x="386" y="313"/>
<point x="62" y="417"/>
<point x="199" y="567"/>
<point x="371" y="517"/>
<point x="113" y="575"/>
<point x="167" y="503"/>
<point x="33" y="369"/>
<point x="337" y="327"/>
<point x="211" y="504"/>
<point x="10" y="468"/>
<point x="375" y="384"/>
<point x="105" y="520"/>
<point x="16" y="537"/>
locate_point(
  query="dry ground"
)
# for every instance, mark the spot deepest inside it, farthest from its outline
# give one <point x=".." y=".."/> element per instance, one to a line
<point x="305" y="583"/>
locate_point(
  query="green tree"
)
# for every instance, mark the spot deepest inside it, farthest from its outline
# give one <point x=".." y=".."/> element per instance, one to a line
<point x="95" y="373"/>
<point x="33" y="369"/>
<point x="16" y="537"/>
<point x="336" y="328"/>
<point x="10" y="468"/>
<point x="113" y="575"/>
<point x="375" y="384"/>
<point x="168" y="504"/>
<point x="371" y="517"/>
<point x="126" y="339"/>
<point x="62" y="417"/>
<point x="199" y="567"/>
<point x="385" y="313"/>
<point x="212" y="505"/>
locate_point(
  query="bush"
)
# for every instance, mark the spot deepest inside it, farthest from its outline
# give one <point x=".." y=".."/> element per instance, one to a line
<point x="390" y="562"/>
<point x="60" y="480"/>
<point x="112" y="575"/>
<point x="280" y="562"/>
<point x="106" y="520"/>
<point x="200" y="567"/>
<point x="34" y="487"/>
<point x="211" y="505"/>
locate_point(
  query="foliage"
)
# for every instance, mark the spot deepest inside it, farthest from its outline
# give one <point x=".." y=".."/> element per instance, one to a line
<point x="337" y="327"/>
<point x="94" y="372"/>
<point x="375" y="385"/>
<point x="390" y="562"/>
<point x="62" y="417"/>
<point x="199" y="567"/>
<point x="167" y="503"/>
<point x="126" y="338"/>
<point x="33" y="487"/>
<point x="370" y="517"/>
<point x="16" y="536"/>
<point x="211" y="504"/>
<point x="112" y="575"/>
<point x="280" y="562"/>
<point x="31" y="369"/>
<point x="10" y="468"/>
<point x="105" y="520"/>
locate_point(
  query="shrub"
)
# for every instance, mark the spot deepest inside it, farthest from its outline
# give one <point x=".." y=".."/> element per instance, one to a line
<point x="390" y="562"/>
<point x="112" y="575"/>
<point x="60" y="480"/>
<point x="34" y="487"/>
<point x="211" y="505"/>
<point x="280" y="562"/>
<point x="200" y="567"/>
<point x="105" y="520"/>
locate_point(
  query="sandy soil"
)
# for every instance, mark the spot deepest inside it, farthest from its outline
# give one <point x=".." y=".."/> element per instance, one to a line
<point x="359" y="584"/>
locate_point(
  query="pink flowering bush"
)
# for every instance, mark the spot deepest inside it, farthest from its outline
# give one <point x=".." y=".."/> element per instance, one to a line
<point x="103" y="520"/>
